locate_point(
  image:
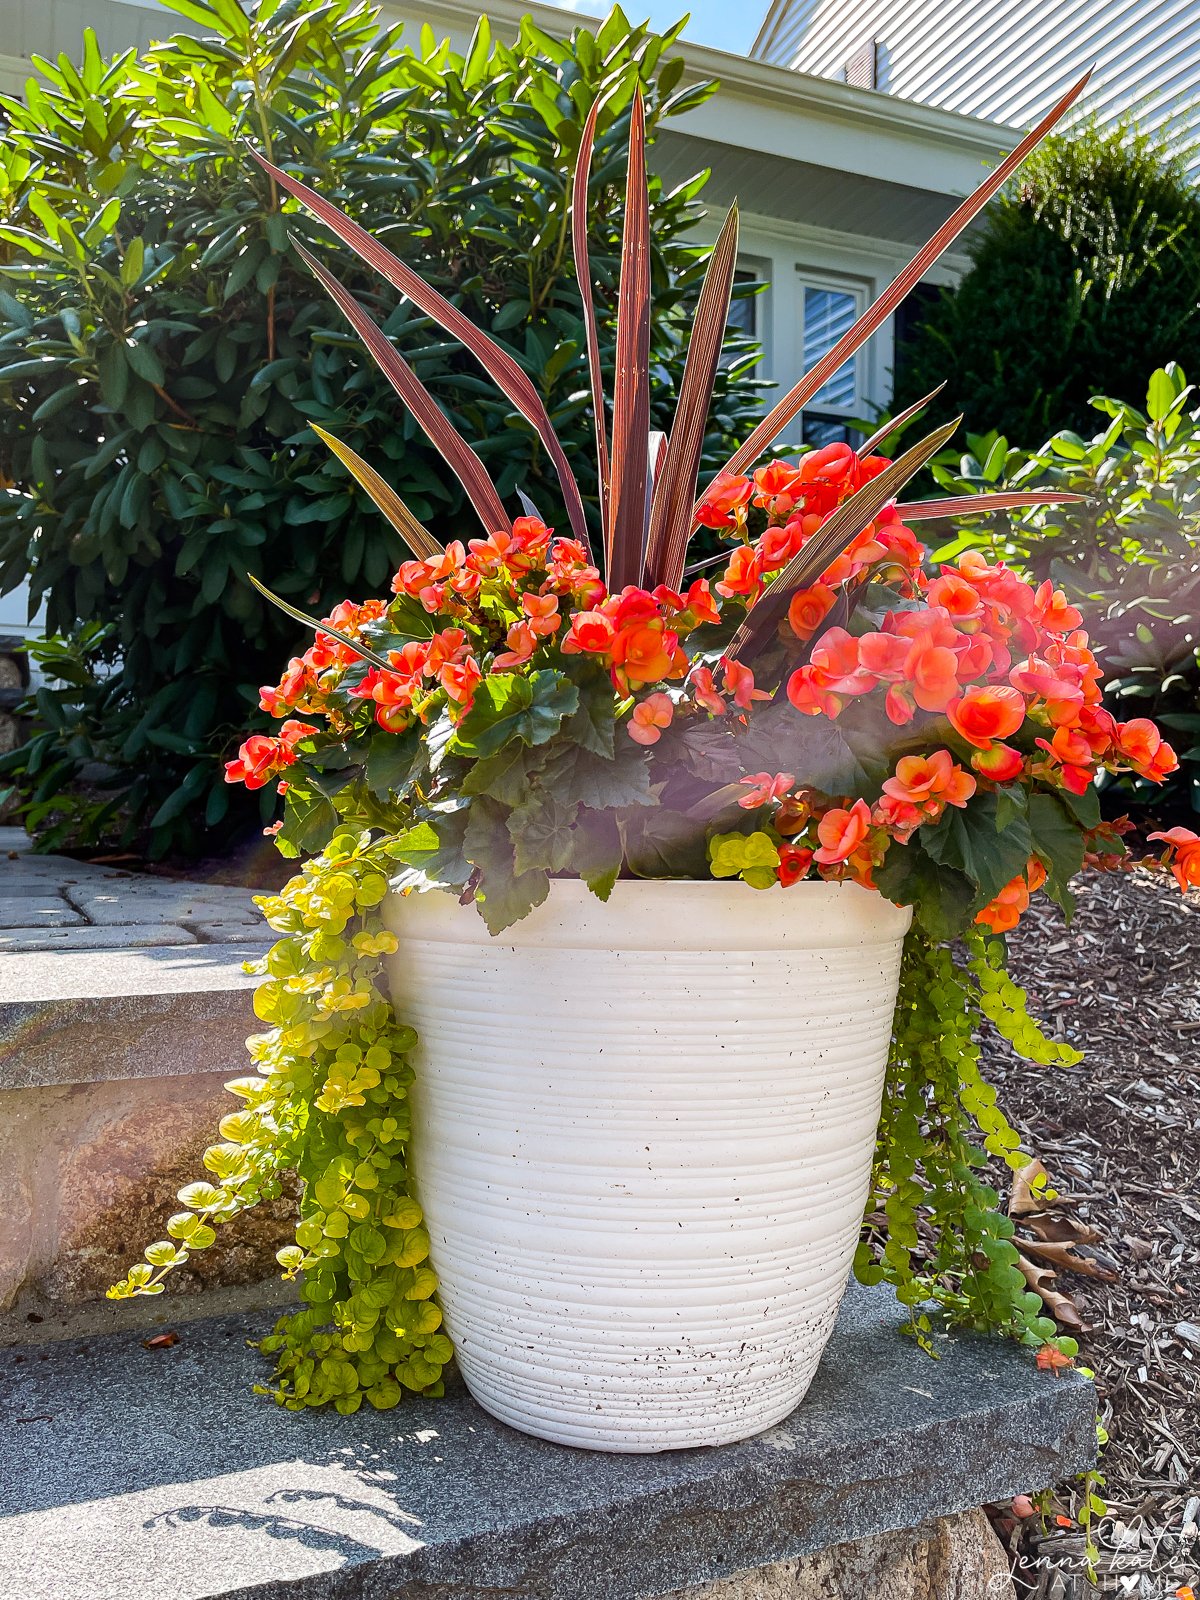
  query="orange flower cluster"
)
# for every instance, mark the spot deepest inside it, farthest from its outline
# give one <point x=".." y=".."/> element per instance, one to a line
<point x="263" y="757"/>
<point x="300" y="687"/>
<point x="636" y="633"/>
<point x="849" y="841"/>
<point x="1011" y="904"/>
<point x="992" y="677"/>
<point x="399" y="691"/>
<point x="796" y="501"/>
<point x="987" y="650"/>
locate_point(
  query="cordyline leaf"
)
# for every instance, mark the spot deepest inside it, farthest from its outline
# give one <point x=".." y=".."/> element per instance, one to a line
<point x="631" y="378"/>
<point x="418" y="539"/>
<point x="782" y="413"/>
<point x="442" y="433"/>
<point x="583" y="272"/>
<point x="675" y="483"/>
<point x="836" y="533"/>
<point x="893" y="423"/>
<point x="499" y="365"/>
<point x="970" y="505"/>
<point x="320" y="627"/>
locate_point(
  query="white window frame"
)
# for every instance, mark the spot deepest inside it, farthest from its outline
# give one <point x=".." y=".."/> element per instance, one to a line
<point x="760" y="304"/>
<point x="860" y="290"/>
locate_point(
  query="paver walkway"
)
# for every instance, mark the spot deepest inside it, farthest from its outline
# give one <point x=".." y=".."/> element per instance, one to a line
<point x="55" y="903"/>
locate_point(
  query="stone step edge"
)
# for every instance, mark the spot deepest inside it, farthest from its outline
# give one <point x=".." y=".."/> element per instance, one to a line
<point x="69" y="1017"/>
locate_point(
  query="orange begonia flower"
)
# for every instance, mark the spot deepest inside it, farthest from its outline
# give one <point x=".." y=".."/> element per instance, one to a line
<point x="999" y="762"/>
<point x="982" y="714"/>
<point x="764" y="787"/>
<point x="776" y="486"/>
<point x="705" y="691"/>
<point x="263" y="757"/>
<point x="1182" y="855"/>
<point x="841" y="832"/>
<point x="958" y="597"/>
<point x="883" y="655"/>
<point x="522" y="642"/>
<point x="1003" y="913"/>
<point x="460" y="679"/>
<point x="650" y="717"/>
<point x="1148" y="753"/>
<point x="932" y="673"/>
<point x="739" y="682"/>
<point x="645" y="651"/>
<point x="1052" y="610"/>
<point x="542" y="612"/>
<point x="590" y="631"/>
<point x="793" y="864"/>
<point x="930" y="782"/>
<point x="1035" y="676"/>
<point x="277" y="700"/>
<point x="727" y="496"/>
<point x="809" y="608"/>
<point x="743" y="575"/>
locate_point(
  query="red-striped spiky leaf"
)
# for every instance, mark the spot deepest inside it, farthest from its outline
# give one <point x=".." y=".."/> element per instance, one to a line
<point x="980" y="505"/>
<point x="631" y="378"/>
<point x="675" y="486"/>
<point x="415" y="535"/>
<point x="583" y="272"/>
<point x="793" y="402"/>
<point x="442" y="433"/>
<point x="898" y="421"/>
<point x="499" y="365"/>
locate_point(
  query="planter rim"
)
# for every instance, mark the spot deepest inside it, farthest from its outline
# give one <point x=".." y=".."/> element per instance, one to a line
<point x="666" y="914"/>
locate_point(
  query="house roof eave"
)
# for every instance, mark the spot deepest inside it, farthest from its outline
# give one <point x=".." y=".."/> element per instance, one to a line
<point x="766" y="86"/>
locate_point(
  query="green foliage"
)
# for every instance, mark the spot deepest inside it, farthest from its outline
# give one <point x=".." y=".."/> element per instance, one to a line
<point x="330" y="1103"/>
<point x="1128" y="555"/>
<point x="945" y="1239"/>
<point x="163" y="352"/>
<point x="1084" y="274"/>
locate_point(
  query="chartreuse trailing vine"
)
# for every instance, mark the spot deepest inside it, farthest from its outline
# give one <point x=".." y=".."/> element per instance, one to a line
<point x="329" y="1103"/>
<point x="939" y="1125"/>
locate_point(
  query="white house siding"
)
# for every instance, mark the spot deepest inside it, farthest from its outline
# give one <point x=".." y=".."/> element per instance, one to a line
<point x="1008" y="60"/>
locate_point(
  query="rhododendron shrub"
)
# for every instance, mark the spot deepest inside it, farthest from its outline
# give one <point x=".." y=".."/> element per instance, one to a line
<point x="820" y="702"/>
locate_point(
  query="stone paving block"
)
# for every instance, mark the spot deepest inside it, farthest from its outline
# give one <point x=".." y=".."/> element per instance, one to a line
<point x="37" y="911"/>
<point x="155" y="900"/>
<point x="158" y="1475"/>
<point x="139" y="936"/>
<point x="221" y="931"/>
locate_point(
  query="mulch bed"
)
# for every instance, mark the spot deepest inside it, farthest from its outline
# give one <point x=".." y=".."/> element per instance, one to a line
<point x="1118" y="1135"/>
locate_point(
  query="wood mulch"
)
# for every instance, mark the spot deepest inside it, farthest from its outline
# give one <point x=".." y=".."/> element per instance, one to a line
<point x="1119" y="1135"/>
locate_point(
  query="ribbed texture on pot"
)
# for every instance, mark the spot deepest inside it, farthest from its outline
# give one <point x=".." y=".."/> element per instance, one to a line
<point x="643" y="1137"/>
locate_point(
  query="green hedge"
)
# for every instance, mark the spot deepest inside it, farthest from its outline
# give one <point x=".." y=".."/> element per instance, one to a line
<point x="1085" y="276"/>
<point x="163" y="352"/>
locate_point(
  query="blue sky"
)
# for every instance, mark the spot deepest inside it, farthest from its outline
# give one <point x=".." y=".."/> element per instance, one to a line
<point x="722" y="23"/>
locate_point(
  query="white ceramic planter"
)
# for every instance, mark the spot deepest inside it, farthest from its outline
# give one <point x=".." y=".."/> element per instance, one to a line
<point x="643" y="1138"/>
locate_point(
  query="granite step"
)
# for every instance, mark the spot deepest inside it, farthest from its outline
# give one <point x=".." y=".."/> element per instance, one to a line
<point x="129" y="1473"/>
